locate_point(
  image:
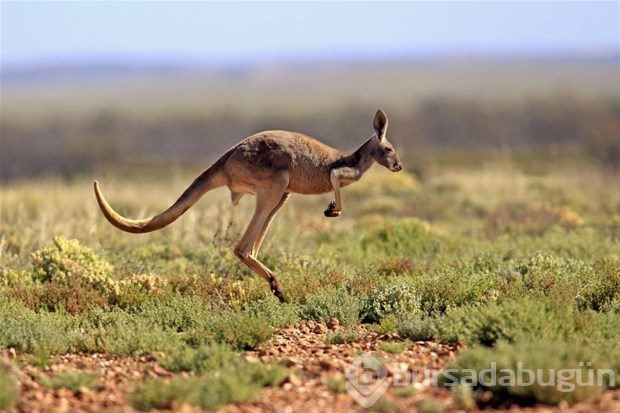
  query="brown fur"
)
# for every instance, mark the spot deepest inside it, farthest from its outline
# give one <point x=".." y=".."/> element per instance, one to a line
<point x="271" y="165"/>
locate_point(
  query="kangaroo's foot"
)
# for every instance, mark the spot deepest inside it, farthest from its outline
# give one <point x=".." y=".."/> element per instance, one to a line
<point x="276" y="291"/>
<point x="331" y="212"/>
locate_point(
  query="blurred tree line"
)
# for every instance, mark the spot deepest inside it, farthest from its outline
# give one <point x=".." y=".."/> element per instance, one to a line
<point x="68" y="146"/>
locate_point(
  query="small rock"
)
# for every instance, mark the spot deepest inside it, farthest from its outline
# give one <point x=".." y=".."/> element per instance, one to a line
<point x="287" y="386"/>
<point x="293" y="380"/>
<point x="83" y="393"/>
<point x="333" y="324"/>
<point x="63" y="406"/>
<point x="326" y="364"/>
<point x="290" y="361"/>
<point x="63" y="393"/>
<point x="320" y="329"/>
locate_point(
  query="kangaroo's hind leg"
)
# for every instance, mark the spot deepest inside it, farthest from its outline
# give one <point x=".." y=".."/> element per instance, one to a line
<point x="267" y="199"/>
<point x="265" y="228"/>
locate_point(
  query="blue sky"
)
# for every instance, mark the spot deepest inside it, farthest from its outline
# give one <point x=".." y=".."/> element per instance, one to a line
<point x="56" y="32"/>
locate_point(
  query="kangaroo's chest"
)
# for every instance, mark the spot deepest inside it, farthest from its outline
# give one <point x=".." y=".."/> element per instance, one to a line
<point x="309" y="181"/>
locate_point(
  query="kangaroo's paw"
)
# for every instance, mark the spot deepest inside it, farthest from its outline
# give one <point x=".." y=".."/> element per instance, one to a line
<point x="279" y="295"/>
<point x="330" y="212"/>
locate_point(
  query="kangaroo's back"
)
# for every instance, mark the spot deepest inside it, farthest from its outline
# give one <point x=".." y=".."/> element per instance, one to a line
<point x="306" y="159"/>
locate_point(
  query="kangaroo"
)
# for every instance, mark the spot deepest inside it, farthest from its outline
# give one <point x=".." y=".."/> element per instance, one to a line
<point x="271" y="165"/>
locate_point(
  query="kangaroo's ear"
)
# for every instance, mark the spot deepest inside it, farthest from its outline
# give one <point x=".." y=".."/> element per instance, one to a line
<point x="380" y="124"/>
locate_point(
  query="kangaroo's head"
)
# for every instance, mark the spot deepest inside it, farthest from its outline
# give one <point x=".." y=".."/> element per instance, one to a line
<point x="382" y="150"/>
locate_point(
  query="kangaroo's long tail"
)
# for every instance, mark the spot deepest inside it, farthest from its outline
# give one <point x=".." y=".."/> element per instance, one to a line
<point x="209" y="179"/>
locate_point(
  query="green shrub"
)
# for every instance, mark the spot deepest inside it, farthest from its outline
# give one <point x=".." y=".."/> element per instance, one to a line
<point x="472" y="282"/>
<point x="240" y="382"/>
<point x="131" y="297"/>
<point x="431" y="406"/>
<point x="612" y="306"/>
<point x="332" y="303"/>
<point x="29" y="332"/>
<point x="199" y="360"/>
<point x="72" y="380"/>
<point x="405" y="237"/>
<point x="344" y="336"/>
<point x="404" y="392"/>
<point x="67" y="261"/>
<point x="602" y="291"/>
<point x="394" y="347"/>
<point x="8" y="391"/>
<point x="387" y="325"/>
<point x="512" y="321"/>
<point x="240" y="330"/>
<point x="14" y="278"/>
<point x="590" y="285"/>
<point x="135" y="291"/>
<point x="464" y="397"/>
<point x="121" y="333"/>
<point x="336" y="383"/>
<point x="177" y="313"/>
<point x="551" y="357"/>
<point x="393" y="300"/>
<point x="161" y="394"/>
<point x="416" y="329"/>
<point x="273" y="312"/>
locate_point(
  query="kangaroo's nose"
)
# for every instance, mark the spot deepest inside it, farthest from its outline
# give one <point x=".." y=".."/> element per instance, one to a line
<point x="398" y="167"/>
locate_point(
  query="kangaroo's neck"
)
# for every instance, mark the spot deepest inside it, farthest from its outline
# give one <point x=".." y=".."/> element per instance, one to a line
<point x="361" y="159"/>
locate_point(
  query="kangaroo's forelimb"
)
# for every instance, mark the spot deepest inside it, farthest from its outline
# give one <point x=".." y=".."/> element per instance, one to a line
<point x="334" y="208"/>
<point x="340" y="177"/>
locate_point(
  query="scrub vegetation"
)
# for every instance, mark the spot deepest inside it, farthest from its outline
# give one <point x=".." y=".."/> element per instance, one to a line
<point x="529" y="274"/>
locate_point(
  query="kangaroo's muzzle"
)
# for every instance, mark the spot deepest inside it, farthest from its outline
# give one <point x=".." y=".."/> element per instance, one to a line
<point x="397" y="167"/>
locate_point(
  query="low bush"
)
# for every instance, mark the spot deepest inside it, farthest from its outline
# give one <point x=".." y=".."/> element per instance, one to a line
<point x="387" y="325"/>
<point x="404" y="237"/>
<point x="29" y="332"/>
<point x="394" y="347"/>
<point x="589" y="285"/>
<point x="469" y="282"/>
<point x="67" y="262"/>
<point x="14" y="278"/>
<point x="464" y="397"/>
<point x="332" y="303"/>
<point x="344" y="336"/>
<point x="431" y="406"/>
<point x="72" y="380"/>
<point x="199" y="360"/>
<point x="416" y="329"/>
<point x="237" y="382"/>
<point x="336" y="383"/>
<point x="240" y="330"/>
<point x="393" y="300"/>
<point x="533" y="219"/>
<point x="121" y="333"/>
<point x="135" y="291"/>
<point x="523" y="320"/>
<point x="177" y="313"/>
<point x="8" y="391"/>
<point x="560" y="371"/>
<point x="273" y="312"/>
